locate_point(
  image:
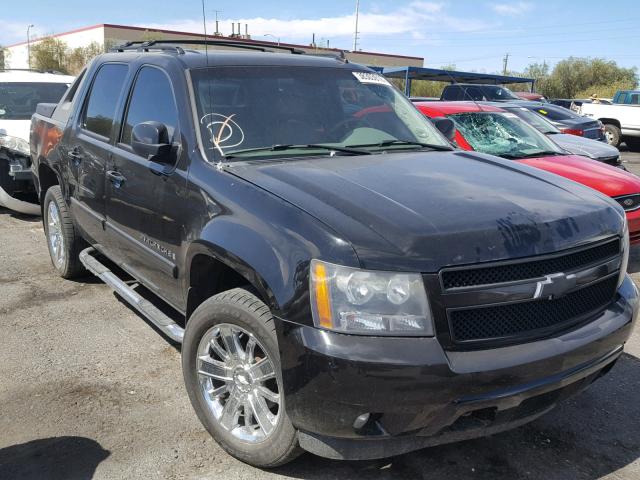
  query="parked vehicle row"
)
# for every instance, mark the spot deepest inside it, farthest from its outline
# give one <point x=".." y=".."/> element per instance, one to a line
<point x="342" y="279"/>
<point x="20" y="93"/>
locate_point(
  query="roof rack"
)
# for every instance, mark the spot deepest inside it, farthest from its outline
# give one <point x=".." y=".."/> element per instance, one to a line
<point x="173" y="45"/>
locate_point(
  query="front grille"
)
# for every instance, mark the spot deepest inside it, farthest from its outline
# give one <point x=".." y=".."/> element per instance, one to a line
<point x="531" y="318"/>
<point x="629" y="202"/>
<point x="529" y="269"/>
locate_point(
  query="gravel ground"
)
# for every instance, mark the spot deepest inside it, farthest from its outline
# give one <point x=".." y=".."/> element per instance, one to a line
<point x="89" y="390"/>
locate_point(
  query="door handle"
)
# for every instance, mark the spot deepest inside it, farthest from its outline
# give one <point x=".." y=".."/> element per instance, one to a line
<point x="116" y="178"/>
<point x="75" y="156"/>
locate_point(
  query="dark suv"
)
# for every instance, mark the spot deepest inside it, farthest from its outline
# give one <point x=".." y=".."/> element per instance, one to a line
<point x="341" y="278"/>
<point x="479" y="93"/>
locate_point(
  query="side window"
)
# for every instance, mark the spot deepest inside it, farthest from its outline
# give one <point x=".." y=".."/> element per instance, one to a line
<point x="103" y="99"/>
<point x="451" y="93"/>
<point x="474" y="93"/>
<point x="62" y="110"/>
<point x="622" y="98"/>
<point x="151" y="100"/>
<point x="635" y="99"/>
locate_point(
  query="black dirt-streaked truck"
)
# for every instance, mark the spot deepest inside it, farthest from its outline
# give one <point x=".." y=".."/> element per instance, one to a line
<point x="342" y="280"/>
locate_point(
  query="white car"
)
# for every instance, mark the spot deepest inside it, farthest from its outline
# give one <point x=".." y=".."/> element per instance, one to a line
<point x="20" y="93"/>
<point x="621" y="122"/>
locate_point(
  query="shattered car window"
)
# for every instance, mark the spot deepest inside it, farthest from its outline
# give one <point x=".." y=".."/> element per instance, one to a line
<point x="502" y="134"/>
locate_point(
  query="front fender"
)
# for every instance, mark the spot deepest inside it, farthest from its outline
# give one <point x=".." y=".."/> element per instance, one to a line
<point x="274" y="258"/>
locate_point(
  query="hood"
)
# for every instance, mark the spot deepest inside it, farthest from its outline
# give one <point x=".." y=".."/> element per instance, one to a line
<point x="421" y="211"/>
<point x="609" y="180"/>
<point x="585" y="146"/>
<point x="15" y="128"/>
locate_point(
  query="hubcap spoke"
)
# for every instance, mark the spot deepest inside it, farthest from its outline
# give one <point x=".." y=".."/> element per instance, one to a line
<point x="214" y="369"/>
<point x="268" y="394"/>
<point x="262" y="371"/>
<point x="262" y="414"/>
<point x="231" y="342"/>
<point x="231" y="412"/>
<point x="250" y="350"/>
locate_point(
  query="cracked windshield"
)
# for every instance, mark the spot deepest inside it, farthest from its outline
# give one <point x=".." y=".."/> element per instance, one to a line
<point x="253" y="112"/>
<point x="504" y="135"/>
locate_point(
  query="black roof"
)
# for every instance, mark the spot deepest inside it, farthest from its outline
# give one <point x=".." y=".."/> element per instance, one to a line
<point x="227" y="53"/>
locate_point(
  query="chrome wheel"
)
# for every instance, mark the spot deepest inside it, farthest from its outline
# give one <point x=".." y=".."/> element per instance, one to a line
<point x="54" y="233"/>
<point x="608" y="137"/>
<point x="238" y="382"/>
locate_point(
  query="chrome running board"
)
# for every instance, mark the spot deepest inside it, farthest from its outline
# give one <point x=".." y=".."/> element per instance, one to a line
<point x="170" y="328"/>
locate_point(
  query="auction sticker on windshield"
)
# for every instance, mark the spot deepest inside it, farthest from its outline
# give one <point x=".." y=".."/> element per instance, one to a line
<point x="369" y="77"/>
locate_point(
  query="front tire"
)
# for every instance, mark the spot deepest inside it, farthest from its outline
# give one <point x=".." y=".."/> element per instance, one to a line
<point x="612" y="134"/>
<point x="63" y="241"/>
<point x="231" y="368"/>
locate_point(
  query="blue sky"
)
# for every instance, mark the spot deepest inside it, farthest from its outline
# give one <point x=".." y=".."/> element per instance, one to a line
<point x="473" y="35"/>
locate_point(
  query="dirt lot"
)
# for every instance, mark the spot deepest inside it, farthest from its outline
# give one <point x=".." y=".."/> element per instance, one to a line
<point x="89" y="390"/>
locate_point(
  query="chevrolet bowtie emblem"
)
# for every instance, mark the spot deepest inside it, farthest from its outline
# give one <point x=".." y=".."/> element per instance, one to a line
<point x="555" y="286"/>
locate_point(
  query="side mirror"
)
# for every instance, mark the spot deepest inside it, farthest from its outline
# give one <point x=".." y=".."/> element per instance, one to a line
<point x="446" y="127"/>
<point x="151" y="141"/>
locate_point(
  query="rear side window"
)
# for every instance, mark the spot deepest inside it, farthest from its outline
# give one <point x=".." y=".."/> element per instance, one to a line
<point x="451" y="93"/>
<point x="635" y="99"/>
<point x="103" y="99"/>
<point x="152" y="100"/>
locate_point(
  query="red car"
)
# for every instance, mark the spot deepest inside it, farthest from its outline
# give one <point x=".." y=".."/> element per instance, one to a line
<point x="495" y="131"/>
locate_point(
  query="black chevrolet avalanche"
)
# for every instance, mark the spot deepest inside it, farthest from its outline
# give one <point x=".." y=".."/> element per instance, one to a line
<point x="342" y="280"/>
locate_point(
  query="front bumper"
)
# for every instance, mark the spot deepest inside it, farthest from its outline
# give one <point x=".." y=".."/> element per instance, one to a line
<point x="418" y="395"/>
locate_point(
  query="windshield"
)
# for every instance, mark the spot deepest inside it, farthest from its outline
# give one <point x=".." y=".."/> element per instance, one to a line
<point x="18" y="101"/>
<point x="504" y="135"/>
<point x="498" y="93"/>
<point x="243" y="111"/>
<point x="535" y="120"/>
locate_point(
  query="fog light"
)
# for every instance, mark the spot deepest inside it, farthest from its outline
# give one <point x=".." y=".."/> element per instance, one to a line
<point x="361" y="421"/>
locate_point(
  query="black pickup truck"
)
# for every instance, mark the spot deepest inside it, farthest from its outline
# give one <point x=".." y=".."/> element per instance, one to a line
<point x="341" y="279"/>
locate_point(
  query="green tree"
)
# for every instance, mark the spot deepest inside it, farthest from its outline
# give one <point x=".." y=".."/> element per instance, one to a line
<point x="78" y="57"/>
<point x="581" y="77"/>
<point x="49" y="54"/>
<point x="2" y="56"/>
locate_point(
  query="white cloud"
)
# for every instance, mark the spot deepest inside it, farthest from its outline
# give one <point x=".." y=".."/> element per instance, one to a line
<point x="419" y="20"/>
<point x="512" y="9"/>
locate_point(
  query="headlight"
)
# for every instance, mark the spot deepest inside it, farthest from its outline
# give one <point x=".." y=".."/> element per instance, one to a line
<point x="350" y="300"/>
<point x="15" y="144"/>
<point x="625" y="252"/>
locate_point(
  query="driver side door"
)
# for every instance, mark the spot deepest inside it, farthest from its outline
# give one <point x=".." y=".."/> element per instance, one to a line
<point x="143" y="219"/>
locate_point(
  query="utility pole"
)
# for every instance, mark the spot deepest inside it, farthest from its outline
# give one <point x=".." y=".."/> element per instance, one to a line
<point x="505" y="61"/>
<point x="217" y="32"/>
<point x="29" y="46"/>
<point x="355" y="33"/>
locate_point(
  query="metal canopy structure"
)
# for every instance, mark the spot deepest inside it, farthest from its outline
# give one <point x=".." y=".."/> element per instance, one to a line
<point x="436" y="75"/>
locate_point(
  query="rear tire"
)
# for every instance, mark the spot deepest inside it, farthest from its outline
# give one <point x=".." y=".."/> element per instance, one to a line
<point x="63" y="241"/>
<point x="262" y="438"/>
<point x="612" y="134"/>
<point x="633" y="143"/>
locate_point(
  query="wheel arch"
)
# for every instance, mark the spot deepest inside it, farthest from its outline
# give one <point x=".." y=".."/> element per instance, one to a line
<point x="611" y="121"/>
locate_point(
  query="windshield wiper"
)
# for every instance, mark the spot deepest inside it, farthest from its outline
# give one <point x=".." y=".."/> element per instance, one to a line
<point x="390" y="143"/>
<point x="280" y="148"/>
<point x="543" y="153"/>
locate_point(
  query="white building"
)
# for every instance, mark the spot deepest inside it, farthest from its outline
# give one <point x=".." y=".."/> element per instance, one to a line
<point x="108" y="34"/>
